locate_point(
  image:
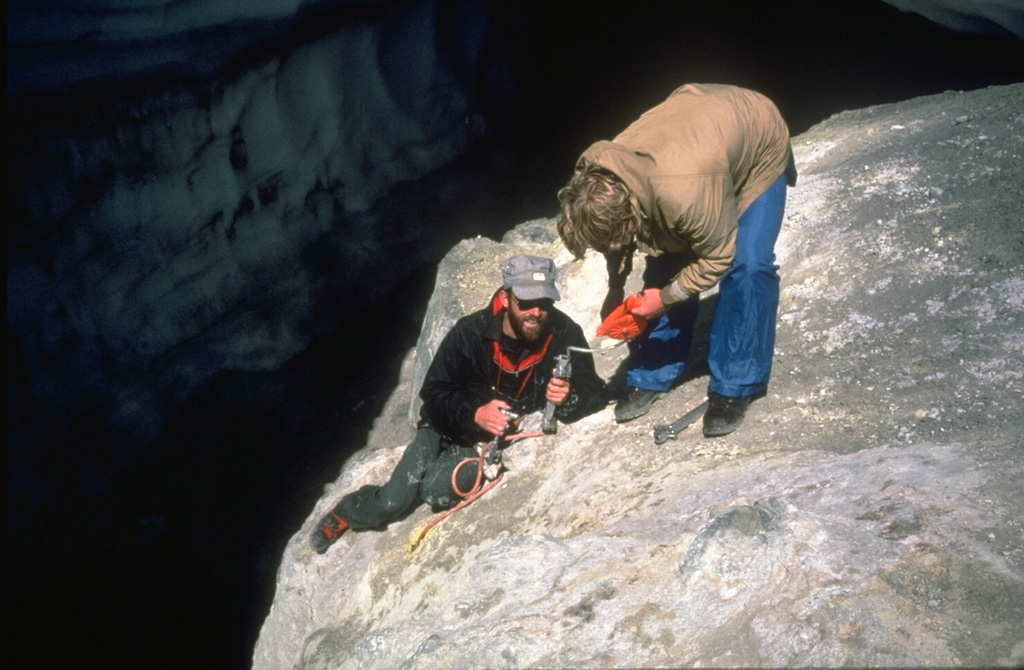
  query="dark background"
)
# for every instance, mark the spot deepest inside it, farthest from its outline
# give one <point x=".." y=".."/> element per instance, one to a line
<point x="240" y="467"/>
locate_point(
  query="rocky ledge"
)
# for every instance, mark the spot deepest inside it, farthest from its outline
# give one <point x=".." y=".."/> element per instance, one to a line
<point x="867" y="512"/>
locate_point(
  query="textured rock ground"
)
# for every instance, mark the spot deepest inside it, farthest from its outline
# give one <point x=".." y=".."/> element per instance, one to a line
<point x="867" y="513"/>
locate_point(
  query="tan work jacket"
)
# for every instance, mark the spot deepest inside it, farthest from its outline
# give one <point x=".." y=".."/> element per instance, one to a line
<point x="695" y="163"/>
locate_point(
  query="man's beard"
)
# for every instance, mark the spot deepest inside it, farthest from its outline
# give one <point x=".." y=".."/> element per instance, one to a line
<point x="527" y="335"/>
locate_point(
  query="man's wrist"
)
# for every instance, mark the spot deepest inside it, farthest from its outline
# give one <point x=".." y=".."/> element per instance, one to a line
<point x="671" y="294"/>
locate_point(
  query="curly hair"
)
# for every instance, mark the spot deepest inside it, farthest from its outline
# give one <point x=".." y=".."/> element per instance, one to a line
<point x="598" y="211"/>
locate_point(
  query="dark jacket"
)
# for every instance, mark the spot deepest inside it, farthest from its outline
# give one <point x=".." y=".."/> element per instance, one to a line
<point x="465" y="374"/>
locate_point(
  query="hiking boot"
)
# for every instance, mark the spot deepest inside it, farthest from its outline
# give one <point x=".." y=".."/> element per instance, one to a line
<point x="635" y="403"/>
<point x="327" y="531"/>
<point x="725" y="413"/>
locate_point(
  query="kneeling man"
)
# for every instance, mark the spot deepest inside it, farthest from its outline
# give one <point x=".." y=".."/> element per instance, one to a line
<point x="493" y="362"/>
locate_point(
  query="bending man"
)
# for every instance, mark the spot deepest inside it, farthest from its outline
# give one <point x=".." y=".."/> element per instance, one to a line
<point x="493" y="361"/>
<point x="697" y="183"/>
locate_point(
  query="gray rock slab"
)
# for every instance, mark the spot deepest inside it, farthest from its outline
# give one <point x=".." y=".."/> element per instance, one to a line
<point x="867" y="513"/>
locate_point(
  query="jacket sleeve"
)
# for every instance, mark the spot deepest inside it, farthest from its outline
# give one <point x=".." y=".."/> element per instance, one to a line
<point x="454" y="386"/>
<point x="706" y="218"/>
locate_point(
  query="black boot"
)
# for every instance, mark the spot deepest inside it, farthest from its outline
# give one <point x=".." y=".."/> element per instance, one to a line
<point x="725" y="413"/>
<point x="327" y="531"/>
<point x="635" y="403"/>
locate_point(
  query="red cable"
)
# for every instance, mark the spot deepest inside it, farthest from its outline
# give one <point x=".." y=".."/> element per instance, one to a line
<point x="476" y="491"/>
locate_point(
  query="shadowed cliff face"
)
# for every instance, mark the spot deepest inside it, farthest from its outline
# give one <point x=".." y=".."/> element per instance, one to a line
<point x="866" y="513"/>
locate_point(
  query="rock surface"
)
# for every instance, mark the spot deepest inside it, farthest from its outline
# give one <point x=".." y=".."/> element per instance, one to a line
<point x="866" y="513"/>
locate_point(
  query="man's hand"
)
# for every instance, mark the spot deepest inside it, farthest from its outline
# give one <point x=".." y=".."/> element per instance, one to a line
<point x="558" y="390"/>
<point x="491" y="418"/>
<point x="651" y="306"/>
<point x="612" y="299"/>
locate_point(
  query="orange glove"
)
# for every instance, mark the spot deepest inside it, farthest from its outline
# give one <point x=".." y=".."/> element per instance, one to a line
<point x="620" y="324"/>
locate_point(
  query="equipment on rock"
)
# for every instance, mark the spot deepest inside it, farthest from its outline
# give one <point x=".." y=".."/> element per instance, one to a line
<point x="665" y="432"/>
<point x="619" y="325"/>
<point x="563" y="370"/>
<point x="488" y="467"/>
<point x="492" y="455"/>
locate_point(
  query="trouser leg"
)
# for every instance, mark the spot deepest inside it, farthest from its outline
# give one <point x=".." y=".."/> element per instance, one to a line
<point x="743" y="331"/>
<point x="657" y="358"/>
<point x="436" y="488"/>
<point x="377" y="506"/>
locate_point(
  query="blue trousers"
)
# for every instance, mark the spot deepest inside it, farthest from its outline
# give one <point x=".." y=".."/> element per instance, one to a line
<point x="743" y="330"/>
